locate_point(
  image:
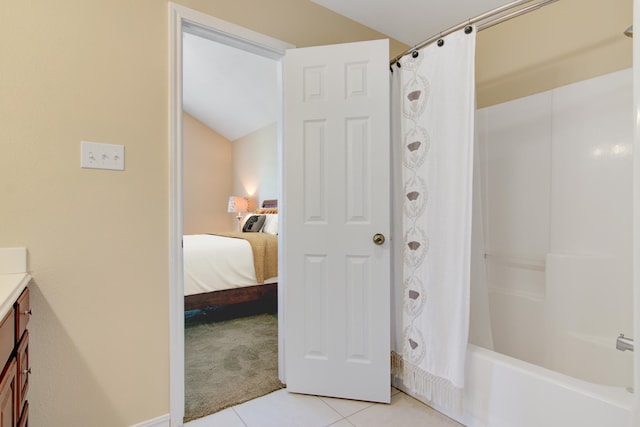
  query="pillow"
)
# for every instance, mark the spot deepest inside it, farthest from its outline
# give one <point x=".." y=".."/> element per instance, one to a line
<point x="270" y="224"/>
<point x="254" y="224"/>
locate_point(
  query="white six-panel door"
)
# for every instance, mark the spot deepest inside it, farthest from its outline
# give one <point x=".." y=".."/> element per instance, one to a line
<point x="336" y="194"/>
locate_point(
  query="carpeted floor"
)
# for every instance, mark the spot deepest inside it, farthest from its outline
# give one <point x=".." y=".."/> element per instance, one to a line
<point x="229" y="362"/>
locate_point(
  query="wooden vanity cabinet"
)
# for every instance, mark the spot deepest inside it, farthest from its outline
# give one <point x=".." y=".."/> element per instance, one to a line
<point x="24" y="418"/>
<point x="14" y="353"/>
<point x="8" y="394"/>
<point x="7" y="336"/>
<point x="24" y="370"/>
<point x="23" y="313"/>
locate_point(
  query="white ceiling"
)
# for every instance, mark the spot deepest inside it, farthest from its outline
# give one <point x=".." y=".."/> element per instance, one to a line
<point x="410" y="21"/>
<point x="234" y="92"/>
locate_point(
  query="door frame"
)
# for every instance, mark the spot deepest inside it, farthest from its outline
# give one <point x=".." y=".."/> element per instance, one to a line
<point x="636" y="212"/>
<point x="184" y="19"/>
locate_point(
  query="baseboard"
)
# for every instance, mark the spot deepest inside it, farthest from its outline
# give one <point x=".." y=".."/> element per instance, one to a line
<point x="161" y="421"/>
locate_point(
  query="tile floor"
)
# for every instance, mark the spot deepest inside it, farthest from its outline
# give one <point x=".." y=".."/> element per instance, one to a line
<point x="284" y="409"/>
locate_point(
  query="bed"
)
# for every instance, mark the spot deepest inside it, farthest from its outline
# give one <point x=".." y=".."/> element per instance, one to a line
<point x="234" y="267"/>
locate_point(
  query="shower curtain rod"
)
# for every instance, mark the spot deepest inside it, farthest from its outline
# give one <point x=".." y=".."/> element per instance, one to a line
<point x="484" y="21"/>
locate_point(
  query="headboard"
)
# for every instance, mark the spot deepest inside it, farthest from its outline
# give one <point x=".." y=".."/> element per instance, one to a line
<point x="273" y="203"/>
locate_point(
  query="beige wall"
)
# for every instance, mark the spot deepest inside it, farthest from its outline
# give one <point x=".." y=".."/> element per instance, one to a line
<point x="215" y="168"/>
<point x="562" y="43"/>
<point x="207" y="178"/>
<point x="97" y="240"/>
<point x="255" y="165"/>
<point x="74" y="70"/>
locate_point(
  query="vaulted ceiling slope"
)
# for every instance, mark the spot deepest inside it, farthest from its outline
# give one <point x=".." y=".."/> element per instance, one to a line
<point x="232" y="91"/>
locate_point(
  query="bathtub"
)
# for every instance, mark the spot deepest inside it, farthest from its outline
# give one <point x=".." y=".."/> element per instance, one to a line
<point x="501" y="391"/>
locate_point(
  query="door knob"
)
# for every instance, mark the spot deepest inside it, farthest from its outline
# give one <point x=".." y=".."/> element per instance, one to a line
<point x="378" y="238"/>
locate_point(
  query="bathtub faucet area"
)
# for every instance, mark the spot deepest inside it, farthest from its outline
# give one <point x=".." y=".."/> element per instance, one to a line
<point x="623" y="343"/>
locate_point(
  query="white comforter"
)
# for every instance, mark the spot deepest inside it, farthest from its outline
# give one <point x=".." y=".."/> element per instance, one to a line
<point x="214" y="263"/>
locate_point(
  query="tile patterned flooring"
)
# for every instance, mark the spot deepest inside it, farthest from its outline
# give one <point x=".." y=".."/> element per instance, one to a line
<point x="284" y="409"/>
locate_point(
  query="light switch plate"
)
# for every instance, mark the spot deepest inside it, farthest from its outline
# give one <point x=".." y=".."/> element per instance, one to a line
<point x="96" y="155"/>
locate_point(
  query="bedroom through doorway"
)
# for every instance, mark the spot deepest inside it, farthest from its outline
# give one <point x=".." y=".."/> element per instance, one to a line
<point x="230" y="138"/>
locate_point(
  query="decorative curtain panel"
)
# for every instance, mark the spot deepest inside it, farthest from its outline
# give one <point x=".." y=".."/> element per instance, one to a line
<point x="433" y="131"/>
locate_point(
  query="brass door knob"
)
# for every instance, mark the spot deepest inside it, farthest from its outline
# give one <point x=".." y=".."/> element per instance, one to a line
<point x="378" y="238"/>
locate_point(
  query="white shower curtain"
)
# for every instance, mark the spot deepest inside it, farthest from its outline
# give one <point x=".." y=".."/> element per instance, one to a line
<point x="433" y="132"/>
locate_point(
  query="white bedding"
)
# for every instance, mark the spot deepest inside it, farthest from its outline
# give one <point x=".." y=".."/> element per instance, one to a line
<point x="214" y="263"/>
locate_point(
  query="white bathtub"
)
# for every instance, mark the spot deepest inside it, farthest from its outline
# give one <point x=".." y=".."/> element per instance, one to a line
<point x="501" y="391"/>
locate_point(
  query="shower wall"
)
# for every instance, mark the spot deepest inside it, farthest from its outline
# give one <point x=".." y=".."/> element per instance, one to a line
<point x="556" y="183"/>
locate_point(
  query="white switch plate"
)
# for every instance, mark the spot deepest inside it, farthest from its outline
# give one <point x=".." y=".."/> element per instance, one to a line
<point x="95" y="155"/>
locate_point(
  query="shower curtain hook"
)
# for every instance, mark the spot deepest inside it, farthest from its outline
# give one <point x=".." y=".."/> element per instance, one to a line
<point x="440" y="41"/>
<point x="468" y="29"/>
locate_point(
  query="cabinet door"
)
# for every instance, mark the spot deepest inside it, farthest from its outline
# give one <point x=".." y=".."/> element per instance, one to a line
<point x="7" y="337"/>
<point x="23" y="313"/>
<point x="24" y="418"/>
<point x="8" y="395"/>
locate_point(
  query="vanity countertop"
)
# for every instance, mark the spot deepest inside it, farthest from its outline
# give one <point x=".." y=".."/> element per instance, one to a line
<point x="13" y="277"/>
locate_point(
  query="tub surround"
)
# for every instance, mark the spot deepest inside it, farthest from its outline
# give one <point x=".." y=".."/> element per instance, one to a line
<point x="556" y="170"/>
<point x="13" y="277"/>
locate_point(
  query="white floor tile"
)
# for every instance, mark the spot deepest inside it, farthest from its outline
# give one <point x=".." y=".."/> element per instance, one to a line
<point x="342" y="423"/>
<point x="284" y="409"/>
<point x="225" y="418"/>
<point x="346" y="407"/>
<point x="404" y="411"/>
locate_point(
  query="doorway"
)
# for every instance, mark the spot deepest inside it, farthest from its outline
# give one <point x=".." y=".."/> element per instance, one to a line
<point x="186" y="20"/>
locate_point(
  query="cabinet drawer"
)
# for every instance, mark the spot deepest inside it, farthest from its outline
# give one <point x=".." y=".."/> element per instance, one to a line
<point x="7" y="337"/>
<point x="23" y="313"/>
<point x="24" y="369"/>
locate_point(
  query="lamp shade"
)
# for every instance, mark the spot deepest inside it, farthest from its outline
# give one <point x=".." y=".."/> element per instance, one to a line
<point x="238" y="204"/>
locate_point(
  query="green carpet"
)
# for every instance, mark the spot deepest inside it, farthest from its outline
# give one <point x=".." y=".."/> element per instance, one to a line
<point x="229" y="362"/>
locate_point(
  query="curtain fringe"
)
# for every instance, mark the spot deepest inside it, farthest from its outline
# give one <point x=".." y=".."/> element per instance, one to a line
<point x="436" y="390"/>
